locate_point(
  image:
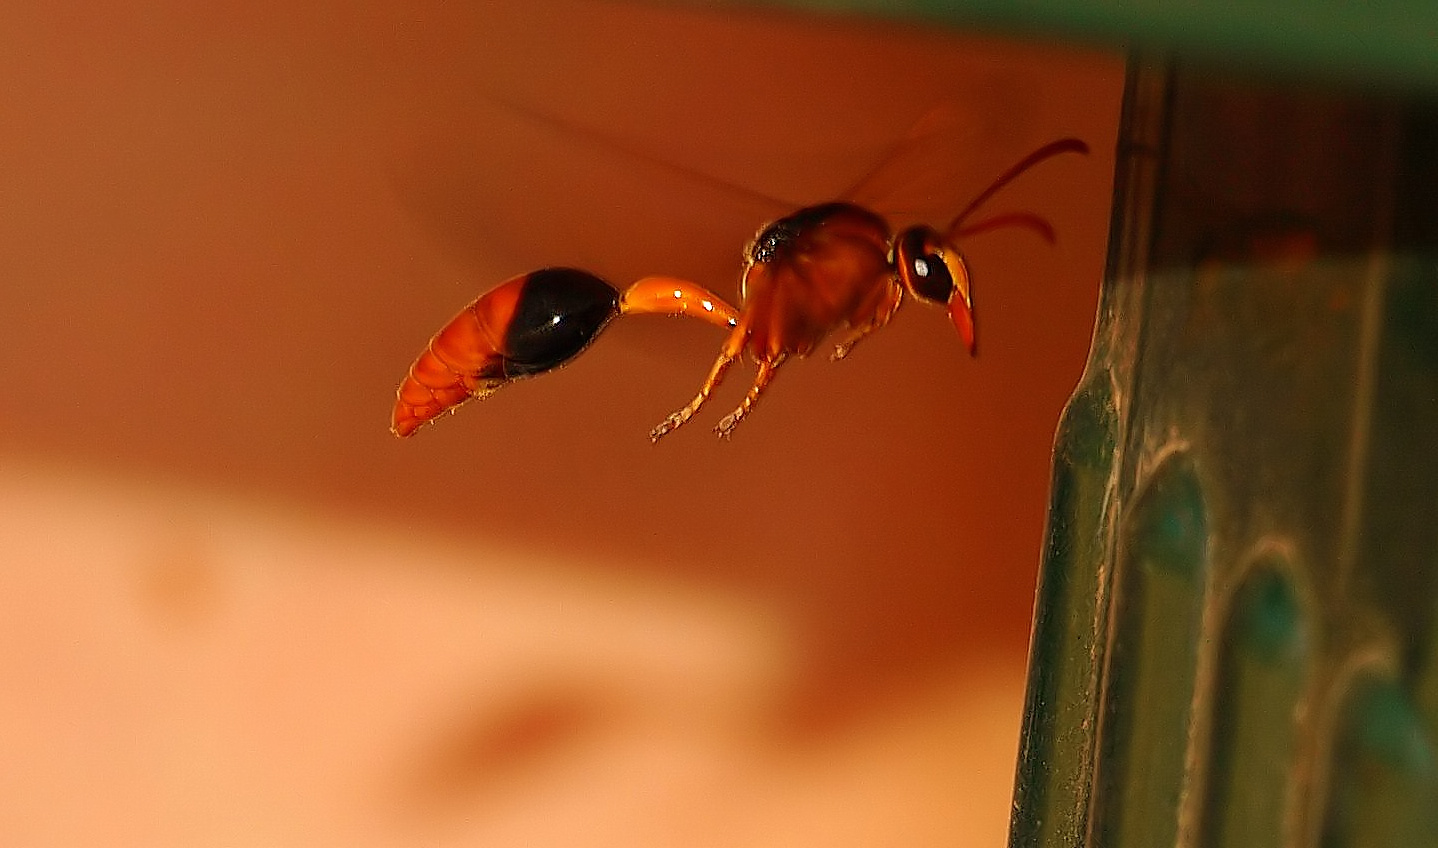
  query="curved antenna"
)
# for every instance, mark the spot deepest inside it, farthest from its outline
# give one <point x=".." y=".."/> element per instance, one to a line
<point x="624" y="148"/>
<point x="1027" y="220"/>
<point x="1053" y="148"/>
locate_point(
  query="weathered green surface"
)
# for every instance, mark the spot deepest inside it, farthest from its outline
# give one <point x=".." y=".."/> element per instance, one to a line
<point x="1237" y="623"/>
<point x="1393" y="40"/>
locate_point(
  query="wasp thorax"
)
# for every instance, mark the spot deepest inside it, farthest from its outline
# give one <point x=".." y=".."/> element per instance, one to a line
<point x="771" y="241"/>
<point x="778" y="240"/>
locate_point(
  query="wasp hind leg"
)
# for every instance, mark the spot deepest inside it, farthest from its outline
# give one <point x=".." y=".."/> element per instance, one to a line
<point x="767" y="370"/>
<point x="733" y="346"/>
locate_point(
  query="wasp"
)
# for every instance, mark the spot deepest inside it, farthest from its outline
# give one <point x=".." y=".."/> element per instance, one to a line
<point x="831" y="268"/>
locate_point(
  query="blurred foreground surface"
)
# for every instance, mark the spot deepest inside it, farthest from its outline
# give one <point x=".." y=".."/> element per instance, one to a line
<point x="195" y="670"/>
<point x="237" y="611"/>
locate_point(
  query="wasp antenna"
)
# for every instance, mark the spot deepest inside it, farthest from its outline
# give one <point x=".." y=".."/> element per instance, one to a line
<point x="1025" y="220"/>
<point x="632" y="151"/>
<point x="1054" y="148"/>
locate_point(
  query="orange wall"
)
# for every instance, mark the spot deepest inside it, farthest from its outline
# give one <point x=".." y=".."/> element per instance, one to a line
<point x="238" y="611"/>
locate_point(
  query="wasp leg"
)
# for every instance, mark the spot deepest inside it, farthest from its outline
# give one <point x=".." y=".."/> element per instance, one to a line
<point x="733" y="346"/>
<point x="883" y="312"/>
<point x="767" y="370"/>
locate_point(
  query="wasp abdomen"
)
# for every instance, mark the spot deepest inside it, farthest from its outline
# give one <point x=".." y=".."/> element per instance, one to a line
<point x="525" y="326"/>
<point x="557" y="315"/>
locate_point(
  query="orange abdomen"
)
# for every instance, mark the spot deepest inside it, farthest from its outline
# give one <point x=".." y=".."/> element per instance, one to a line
<point x="527" y="325"/>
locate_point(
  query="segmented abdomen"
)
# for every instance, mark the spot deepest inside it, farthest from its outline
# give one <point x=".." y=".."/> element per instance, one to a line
<point x="528" y="325"/>
<point x="462" y="360"/>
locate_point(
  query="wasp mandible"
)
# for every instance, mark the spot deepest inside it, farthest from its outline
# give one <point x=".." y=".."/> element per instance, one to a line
<point x="826" y="268"/>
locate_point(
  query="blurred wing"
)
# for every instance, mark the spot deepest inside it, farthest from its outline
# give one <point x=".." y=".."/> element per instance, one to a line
<point x="629" y="149"/>
<point x="922" y="174"/>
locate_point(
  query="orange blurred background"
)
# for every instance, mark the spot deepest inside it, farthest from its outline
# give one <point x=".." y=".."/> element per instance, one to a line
<point x="237" y="611"/>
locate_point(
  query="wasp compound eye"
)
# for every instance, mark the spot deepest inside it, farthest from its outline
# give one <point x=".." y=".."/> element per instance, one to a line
<point x="923" y="264"/>
<point x="934" y="271"/>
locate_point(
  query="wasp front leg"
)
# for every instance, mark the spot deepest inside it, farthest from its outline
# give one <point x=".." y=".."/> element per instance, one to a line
<point x="870" y="319"/>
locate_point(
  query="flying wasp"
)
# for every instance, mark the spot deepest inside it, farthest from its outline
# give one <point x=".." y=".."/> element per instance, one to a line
<point x="831" y="268"/>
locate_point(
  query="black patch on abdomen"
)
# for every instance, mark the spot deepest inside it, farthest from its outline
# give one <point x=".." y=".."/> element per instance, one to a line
<point x="560" y="311"/>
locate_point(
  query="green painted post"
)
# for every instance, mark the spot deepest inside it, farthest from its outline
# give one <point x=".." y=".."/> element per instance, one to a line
<point x="1237" y="621"/>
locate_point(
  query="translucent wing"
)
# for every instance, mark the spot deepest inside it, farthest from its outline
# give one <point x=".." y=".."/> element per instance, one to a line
<point x="923" y="173"/>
